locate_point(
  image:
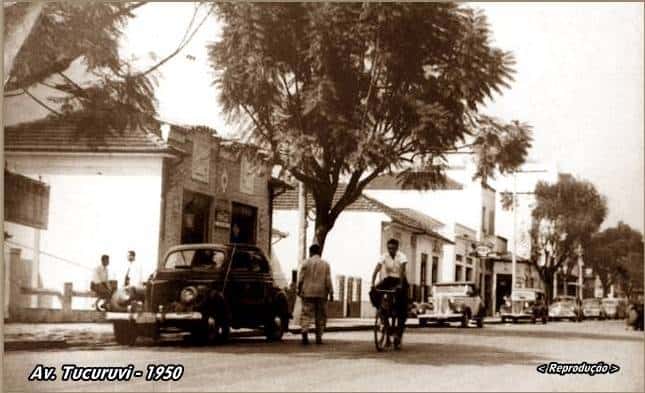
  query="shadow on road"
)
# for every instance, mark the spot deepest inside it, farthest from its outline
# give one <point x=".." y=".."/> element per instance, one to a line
<point x="432" y="354"/>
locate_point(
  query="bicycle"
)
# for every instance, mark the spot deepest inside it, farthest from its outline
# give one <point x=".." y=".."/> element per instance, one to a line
<point x="386" y="322"/>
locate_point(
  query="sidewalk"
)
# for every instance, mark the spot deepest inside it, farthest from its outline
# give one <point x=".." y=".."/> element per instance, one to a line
<point x="25" y="336"/>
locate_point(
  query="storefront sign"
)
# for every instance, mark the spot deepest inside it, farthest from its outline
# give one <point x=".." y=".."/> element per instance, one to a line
<point x="26" y="201"/>
<point x="222" y="214"/>
<point x="201" y="157"/>
<point x="247" y="176"/>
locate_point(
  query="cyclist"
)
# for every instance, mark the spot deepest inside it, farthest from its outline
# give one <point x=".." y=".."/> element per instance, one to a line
<point x="391" y="267"/>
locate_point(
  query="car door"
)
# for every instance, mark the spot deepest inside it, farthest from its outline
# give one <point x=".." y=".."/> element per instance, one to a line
<point x="247" y="285"/>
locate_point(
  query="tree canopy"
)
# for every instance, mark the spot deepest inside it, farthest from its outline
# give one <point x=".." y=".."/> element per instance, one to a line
<point x="113" y="95"/>
<point x="340" y="93"/>
<point x="616" y="255"/>
<point x="566" y="215"/>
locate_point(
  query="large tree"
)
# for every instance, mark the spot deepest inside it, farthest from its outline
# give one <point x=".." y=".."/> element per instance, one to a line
<point x="616" y="255"/>
<point x="566" y="215"/>
<point x="340" y="93"/>
<point x="50" y="37"/>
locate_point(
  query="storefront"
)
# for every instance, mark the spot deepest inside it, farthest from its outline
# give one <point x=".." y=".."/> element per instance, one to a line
<point x="216" y="191"/>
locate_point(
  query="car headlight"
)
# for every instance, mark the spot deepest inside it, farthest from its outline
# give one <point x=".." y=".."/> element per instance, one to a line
<point x="188" y="295"/>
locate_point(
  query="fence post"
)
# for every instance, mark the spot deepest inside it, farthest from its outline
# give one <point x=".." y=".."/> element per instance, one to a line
<point x="350" y="295"/>
<point x="67" y="299"/>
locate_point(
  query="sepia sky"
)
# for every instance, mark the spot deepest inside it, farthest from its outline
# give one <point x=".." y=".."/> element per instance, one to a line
<point x="579" y="83"/>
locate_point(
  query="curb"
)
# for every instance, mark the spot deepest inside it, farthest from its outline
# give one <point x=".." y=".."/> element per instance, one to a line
<point x="31" y="345"/>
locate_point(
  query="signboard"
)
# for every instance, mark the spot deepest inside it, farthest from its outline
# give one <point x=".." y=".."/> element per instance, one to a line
<point x="26" y="201"/>
<point x="223" y="214"/>
<point x="201" y="157"/>
<point x="247" y="176"/>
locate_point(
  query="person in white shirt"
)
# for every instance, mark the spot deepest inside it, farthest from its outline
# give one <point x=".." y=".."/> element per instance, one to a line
<point x="391" y="268"/>
<point x="134" y="273"/>
<point x="100" y="283"/>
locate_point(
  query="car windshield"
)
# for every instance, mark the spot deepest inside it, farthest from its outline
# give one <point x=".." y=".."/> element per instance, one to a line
<point x="196" y="258"/>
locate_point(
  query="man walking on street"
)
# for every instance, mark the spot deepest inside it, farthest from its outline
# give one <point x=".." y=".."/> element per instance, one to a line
<point x="314" y="287"/>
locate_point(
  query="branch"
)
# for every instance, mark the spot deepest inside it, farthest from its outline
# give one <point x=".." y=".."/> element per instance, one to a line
<point x="41" y="103"/>
<point x="182" y="44"/>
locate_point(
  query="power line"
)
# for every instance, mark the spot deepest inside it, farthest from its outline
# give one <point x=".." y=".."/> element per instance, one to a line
<point x="49" y="255"/>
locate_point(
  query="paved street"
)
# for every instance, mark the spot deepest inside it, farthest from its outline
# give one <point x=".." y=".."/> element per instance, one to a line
<point x="496" y="358"/>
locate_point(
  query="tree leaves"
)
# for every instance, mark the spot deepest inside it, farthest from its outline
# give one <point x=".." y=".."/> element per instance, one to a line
<point x="351" y="90"/>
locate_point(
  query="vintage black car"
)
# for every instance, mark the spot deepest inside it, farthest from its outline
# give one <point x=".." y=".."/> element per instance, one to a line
<point x="205" y="289"/>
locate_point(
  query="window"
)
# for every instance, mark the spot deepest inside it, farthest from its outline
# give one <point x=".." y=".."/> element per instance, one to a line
<point x="491" y="222"/>
<point x="469" y="261"/>
<point x="435" y="267"/>
<point x="458" y="273"/>
<point x="249" y="261"/>
<point x="424" y="269"/>
<point x="199" y="258"/>
<point x="459" y="258"/>
<point x="469" y="274"/>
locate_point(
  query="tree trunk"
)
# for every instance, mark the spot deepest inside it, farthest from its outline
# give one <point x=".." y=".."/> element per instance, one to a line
<point x="322" y="228"/>
<point x="17" y="35"/>
<point x="547" y="277"/>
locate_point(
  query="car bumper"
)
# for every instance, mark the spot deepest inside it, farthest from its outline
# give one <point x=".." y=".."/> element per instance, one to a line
<point x="441" y="317"/>
<point x="150" y="317"/>
<point x="563" y="315"/>
<point x="517" y="315"/>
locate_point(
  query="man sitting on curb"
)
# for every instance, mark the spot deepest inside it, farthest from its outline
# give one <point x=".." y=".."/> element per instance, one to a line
<point x="314" y="287"/>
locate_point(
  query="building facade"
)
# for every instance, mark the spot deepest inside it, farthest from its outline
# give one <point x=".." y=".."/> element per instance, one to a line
<point x="356" y="242"/>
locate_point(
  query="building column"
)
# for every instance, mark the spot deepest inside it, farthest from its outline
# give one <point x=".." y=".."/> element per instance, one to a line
<point x="35" y="269"/>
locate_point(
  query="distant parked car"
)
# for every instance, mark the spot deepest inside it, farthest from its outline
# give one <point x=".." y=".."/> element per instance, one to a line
<point x="614" y="308"/>
<point x="592" y="308"/>
<point x="454" y="302"/>
<point x="565" y="307"/>
<point x="525" y="304"/>
<point x="204" y="289"/>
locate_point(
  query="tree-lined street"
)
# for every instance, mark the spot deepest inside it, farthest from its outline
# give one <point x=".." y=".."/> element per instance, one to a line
<point x="497" y="357"/>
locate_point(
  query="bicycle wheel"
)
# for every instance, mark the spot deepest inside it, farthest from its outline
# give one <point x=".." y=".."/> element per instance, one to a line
<point x="381" y="332"/>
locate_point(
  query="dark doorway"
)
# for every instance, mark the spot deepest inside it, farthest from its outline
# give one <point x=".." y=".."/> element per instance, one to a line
<point x="195" y="214"/>
<point x="243" y="223"/>
<point x="503" y="289"/>
<point x="488" y="293"/>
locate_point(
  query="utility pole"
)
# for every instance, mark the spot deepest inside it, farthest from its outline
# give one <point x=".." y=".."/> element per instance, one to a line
<point x="514" y="243"/>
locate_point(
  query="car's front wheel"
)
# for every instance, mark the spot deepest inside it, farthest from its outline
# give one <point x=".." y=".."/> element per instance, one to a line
<point x="125" y="332"/>
<point x="274" y="329"/>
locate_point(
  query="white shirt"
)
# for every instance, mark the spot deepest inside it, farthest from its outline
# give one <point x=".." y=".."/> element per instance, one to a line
<point x="133" y="270"/>
<point x="100" y="274"/>
<point x="391" y="267"/>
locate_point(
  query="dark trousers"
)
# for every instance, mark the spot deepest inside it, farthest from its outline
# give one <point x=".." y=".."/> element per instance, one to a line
<point x="102" y="290"/>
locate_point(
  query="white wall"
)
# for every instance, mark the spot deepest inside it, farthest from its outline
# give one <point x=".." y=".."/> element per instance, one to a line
<point x="98" y="205"/>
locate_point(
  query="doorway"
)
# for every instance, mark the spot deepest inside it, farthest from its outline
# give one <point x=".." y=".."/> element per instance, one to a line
<point x="243" y="223"/>
<point x="503" y="289"/>
<point x="195" y="214"/>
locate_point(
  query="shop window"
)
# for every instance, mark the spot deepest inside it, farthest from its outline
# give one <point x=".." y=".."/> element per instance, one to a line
<point x="243" y="224"/>
<point x="195" y="217"/>
<point x="469" y="274"/>
<point x="458" y="273"/>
